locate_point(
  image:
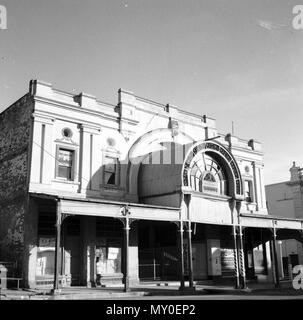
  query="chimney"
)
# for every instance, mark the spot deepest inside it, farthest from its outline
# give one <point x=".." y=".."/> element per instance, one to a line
<point x="295" y="173"/>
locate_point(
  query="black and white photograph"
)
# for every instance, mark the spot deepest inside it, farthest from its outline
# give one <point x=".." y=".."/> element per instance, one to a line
<point x="150" y="154"/>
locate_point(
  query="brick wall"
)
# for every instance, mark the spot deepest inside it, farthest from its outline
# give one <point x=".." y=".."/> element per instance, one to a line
<point x="14" y="147"/>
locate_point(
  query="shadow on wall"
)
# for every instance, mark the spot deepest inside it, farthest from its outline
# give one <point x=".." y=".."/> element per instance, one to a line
<point x="159" y="169"/>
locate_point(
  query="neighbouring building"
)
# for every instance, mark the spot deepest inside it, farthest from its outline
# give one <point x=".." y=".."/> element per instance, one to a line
<point x="92" y="192"/>
<point x="285" y="199"/>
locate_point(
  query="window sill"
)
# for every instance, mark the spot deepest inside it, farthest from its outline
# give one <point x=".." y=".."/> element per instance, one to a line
<point x="109" y="186"/>
<point x="66" y="181"/>
<point x="250" y="203"/>
<point x="219" y="197"/>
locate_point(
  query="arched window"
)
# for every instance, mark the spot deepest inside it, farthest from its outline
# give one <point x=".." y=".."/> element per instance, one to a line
<point x="207" y="176"/>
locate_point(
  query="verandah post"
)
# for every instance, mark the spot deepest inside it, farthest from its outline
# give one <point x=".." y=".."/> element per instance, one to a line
<point x="57" y="246"/>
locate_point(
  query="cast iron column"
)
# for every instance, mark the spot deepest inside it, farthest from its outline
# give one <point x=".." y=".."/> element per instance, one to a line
<point x="181" y="254"/>
<point x="57" y="248"/>
<point x="190" y="256"/>
<point x="281" y="258"/>
<point x="274" y="246"/>
<point x="187" y="198"/>
<point x="236" y="262"/>
<point x="241" y="259"/>
<point x="126" y="213"/>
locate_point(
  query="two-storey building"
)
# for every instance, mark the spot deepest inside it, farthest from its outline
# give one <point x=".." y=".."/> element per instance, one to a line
<point x="138" y="190"/>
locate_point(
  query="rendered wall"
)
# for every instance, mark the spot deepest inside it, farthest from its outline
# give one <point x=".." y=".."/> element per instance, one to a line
<point x="280" y="200"/>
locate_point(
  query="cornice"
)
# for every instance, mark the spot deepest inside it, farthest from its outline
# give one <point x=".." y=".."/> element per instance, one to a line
<point x="69" y="106"/>
<point x="76" y="120"/>
<point x="247" y="150"/>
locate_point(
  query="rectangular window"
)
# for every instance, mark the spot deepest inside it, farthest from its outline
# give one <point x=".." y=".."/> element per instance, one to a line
<point x="111" y="171"/>
<point x="65" y="164"/>
<point x="248" y="191"/>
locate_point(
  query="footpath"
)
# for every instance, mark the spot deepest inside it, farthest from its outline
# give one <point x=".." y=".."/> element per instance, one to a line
<point x="146" y="289"/>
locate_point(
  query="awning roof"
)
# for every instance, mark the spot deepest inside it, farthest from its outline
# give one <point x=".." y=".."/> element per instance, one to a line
<point x="74" y="205"/>
<point x="108" y="208"/>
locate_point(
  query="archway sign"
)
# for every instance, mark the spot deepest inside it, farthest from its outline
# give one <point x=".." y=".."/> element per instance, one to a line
<point x="224" y="154"/>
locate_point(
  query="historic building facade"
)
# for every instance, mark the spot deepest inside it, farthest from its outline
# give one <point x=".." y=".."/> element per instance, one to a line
<point x="93" y="193"/>
<point x="284" y="199"/>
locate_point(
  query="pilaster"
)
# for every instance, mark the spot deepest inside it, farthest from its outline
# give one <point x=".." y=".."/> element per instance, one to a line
<point x="90" y="160"/>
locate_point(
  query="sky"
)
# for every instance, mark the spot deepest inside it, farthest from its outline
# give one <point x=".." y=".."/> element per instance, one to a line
<point x="235" y="60"/>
